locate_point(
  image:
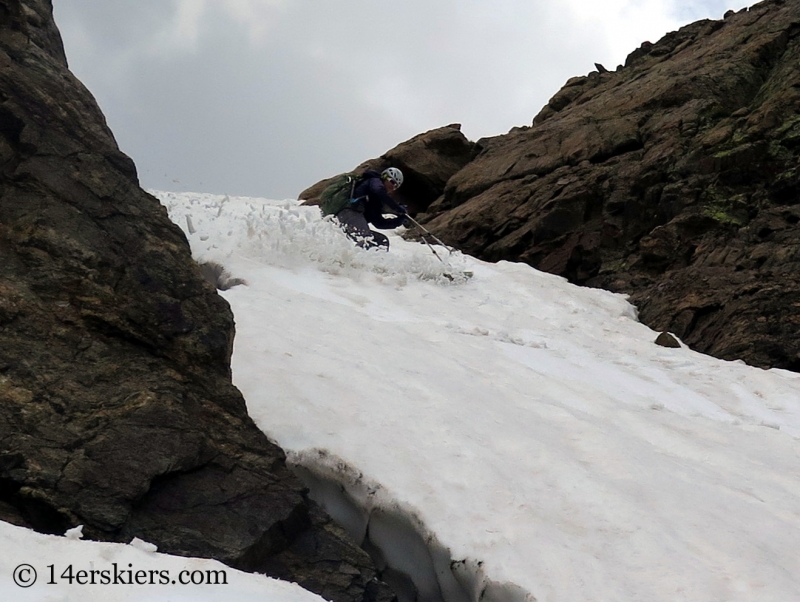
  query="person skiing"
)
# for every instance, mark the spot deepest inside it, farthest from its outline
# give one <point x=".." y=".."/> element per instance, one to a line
<point x="371" y="199"/>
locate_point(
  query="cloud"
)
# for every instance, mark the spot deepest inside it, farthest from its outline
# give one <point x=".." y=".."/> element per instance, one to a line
<point x="184" y="28"/>
<point x="625" y="24"/>
<point x="264" y="97"/>
<point x="257" y="17"/>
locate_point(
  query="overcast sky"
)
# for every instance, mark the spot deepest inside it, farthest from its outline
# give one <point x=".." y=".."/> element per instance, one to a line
<point x="266" y="97"/>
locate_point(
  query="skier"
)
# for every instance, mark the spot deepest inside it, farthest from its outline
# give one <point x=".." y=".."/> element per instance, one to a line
<point x="371" y="199"/>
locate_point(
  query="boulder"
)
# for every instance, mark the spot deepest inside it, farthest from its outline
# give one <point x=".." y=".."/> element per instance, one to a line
<point x="674" y="179"/>
<point x="117" y="409"/>
<point x="427" y="162"/>
<point x="665" y="339"/>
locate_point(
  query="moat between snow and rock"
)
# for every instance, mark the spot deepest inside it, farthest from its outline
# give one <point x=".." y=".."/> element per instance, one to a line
<point x="411" y="560"/>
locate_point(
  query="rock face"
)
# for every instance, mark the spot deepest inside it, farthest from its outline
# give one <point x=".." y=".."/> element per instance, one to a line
<point x="674" y="178"/>
<point x="427" y="161"/>
<point x="116" y="404"/>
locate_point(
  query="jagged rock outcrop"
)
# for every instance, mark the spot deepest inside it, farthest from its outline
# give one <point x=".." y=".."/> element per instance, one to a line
<point x="427" y="161"/>
<point x="116" y="404"/>
<point x="674" y="179"/>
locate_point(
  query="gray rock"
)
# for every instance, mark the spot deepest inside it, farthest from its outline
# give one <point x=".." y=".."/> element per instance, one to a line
<point x="217" y="276"/>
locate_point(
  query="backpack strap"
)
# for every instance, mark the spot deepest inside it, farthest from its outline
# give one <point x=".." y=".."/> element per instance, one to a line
<point x="357" y="204"/>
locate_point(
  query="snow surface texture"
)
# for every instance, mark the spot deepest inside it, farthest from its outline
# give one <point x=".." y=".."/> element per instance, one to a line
<point x="19" y="547"/>
<point x="530" y="427"/>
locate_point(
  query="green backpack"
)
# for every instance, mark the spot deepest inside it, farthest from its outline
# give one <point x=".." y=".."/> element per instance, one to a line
<point x="338" y="194"/>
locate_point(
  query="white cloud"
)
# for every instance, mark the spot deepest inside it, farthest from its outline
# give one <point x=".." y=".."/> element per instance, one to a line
<point x="257" y="17"/>
<point x="624" y="24"/>
<point x="188" y="16"/>
<point x="193" y="23"/>
<point x="182" y="32"/>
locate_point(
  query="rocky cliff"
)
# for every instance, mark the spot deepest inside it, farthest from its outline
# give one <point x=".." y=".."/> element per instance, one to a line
<point x="116" y="404"/>
<point x="673" y="178"/>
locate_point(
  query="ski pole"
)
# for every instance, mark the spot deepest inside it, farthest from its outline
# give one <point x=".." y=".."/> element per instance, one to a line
<point x="425" y="239"/>
<point x="432" y="249"/>
<point x="429" y="233"/>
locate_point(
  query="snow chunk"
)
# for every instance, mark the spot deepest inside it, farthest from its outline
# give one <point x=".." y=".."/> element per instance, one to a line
<point x="75" y="533"/>
<point x="143" y="545"/>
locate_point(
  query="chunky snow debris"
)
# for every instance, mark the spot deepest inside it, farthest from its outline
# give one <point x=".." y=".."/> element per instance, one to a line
<point x="290" y="236"/>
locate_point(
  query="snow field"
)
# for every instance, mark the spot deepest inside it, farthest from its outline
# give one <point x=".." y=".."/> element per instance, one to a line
<point x="159" y="574"/>
<point x="515" y="420"/>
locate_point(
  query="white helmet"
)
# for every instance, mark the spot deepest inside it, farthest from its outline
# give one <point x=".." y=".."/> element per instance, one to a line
<point x="394" y="175"/>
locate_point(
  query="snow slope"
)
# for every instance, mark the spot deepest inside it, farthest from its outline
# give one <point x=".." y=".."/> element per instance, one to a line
<point x="515" y="420"/>
<point x="36" y="568"/>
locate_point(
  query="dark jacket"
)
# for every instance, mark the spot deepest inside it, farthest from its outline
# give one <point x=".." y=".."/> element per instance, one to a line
<point x="375" y="201"/>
